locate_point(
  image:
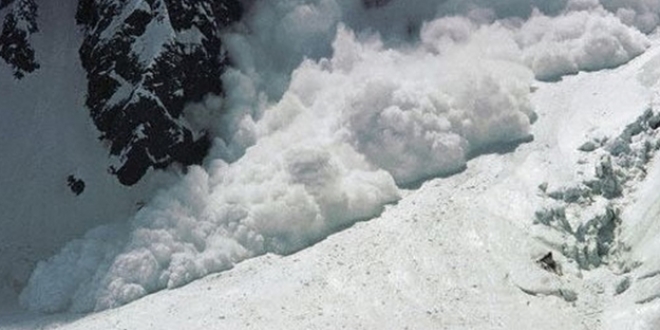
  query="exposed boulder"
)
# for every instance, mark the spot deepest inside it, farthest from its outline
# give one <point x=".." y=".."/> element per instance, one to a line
<point x="76" y="185"/>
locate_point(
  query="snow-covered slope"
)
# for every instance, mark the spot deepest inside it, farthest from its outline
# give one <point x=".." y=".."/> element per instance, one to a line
<point x="352" y="122"/>
<point x="61" y="65"/>
<point x="45" y="139"/>
<point x="323" y="124"/>
<point x="459" y="252"/>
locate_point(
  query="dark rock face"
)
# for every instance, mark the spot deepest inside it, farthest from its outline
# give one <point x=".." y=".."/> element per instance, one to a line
<point x="19" y="24"/>
<point x="144" y="61"/>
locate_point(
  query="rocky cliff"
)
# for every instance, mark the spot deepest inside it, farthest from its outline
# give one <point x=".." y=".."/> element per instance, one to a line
<point x="144" y="61"/>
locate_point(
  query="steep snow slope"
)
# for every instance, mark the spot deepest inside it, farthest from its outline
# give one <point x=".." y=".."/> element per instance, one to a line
<point x="459" y="252"/>
<point x="45" y="139"/>
<point x="59" y="122"/>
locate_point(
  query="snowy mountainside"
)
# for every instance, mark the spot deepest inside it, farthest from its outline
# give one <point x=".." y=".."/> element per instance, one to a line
<point x="57" y="66"/>
<point x="45" y="139"/>
<point x="434" y="260"/>
<point x="351" y="125"/>
<point x="330" y="109"/>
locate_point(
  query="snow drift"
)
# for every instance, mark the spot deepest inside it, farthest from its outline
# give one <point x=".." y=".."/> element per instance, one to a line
<point x="330" y="108"/>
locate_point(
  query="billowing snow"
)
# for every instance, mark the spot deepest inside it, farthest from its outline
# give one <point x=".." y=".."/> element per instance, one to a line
<point x="327" y="118"/>
<point x="459" y="252"/>
<point x="327" y="155"/>
<point x="576" y="42"/>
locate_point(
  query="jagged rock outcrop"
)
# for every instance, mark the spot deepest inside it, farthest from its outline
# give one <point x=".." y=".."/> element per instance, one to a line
<point x="18" y="25"/>
<point x="144" y="61"/>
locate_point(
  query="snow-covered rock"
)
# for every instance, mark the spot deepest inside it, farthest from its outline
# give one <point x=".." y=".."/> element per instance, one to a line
<point x="145" y="60"/>
<point x="19" y="24"/>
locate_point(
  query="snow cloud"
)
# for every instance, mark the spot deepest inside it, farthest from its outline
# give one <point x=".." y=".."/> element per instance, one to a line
<point x="577" y="41"/>
<point x="331" y="108"/>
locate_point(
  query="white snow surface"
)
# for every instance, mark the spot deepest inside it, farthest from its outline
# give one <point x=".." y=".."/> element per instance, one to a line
<point x="327" y="137"/>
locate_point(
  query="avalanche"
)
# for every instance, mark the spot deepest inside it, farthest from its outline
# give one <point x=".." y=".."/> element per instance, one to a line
<point x="333" y="110"/>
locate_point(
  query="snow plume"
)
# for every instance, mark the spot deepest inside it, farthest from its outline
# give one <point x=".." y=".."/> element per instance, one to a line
<point x="643" y="14"/>
<point x="578" y="41"/>
<point x="324" y="116"/>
